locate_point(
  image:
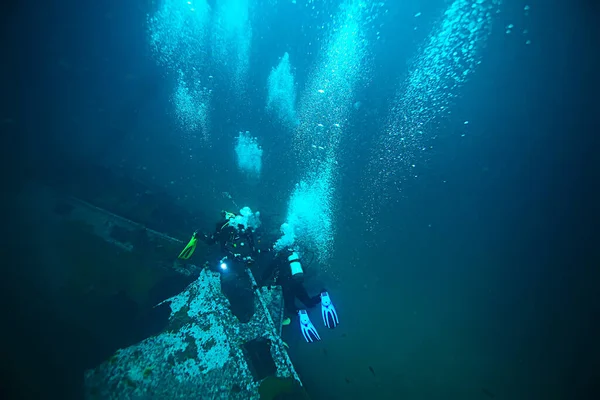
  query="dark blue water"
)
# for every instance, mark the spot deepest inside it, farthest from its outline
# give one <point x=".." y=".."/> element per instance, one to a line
<point x="480" y="280"/>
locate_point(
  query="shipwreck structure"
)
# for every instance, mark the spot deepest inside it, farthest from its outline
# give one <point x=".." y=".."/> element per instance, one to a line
<point x="205" y="352"/>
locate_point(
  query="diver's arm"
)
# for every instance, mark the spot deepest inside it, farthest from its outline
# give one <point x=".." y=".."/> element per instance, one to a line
<point x="208" y="239"/>
<point x="211" y="239"/>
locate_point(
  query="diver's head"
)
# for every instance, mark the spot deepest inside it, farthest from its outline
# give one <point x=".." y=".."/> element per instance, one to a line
<point x="293" y="249"/>
<point x="227" y="215"/>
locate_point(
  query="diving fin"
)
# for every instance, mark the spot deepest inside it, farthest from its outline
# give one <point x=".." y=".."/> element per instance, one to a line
<point x="189" y="249"/>
<point x="330" y="317"/>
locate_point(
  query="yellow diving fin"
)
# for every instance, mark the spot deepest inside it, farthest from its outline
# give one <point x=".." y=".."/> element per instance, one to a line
<point x="189" y="249"/>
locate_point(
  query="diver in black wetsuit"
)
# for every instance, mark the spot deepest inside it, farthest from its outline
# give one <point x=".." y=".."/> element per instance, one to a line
<point x="237" y="252"/>
<point x="237" y="243"/>
<point x="286" y="270"/>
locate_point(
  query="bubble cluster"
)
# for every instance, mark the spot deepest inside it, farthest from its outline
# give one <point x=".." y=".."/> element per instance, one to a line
<point x="191" y="101"/>
<point x="310" y="215"/>
<point x="446" y="61"/>
<point x="246" y="219"/>
<point x="178" y="31"/>
<point x="281" y="97"/>
<point x="323" y="111"/>
<point x="177" y="34"/>
<point x="329" y="95"/>
<point x="232" y="36"/>
<point x="249" y="154"/>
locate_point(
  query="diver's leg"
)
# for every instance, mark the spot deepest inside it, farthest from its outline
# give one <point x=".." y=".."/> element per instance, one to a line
<point x="289" y="301"/>
<point x="237" y="287"/>
<point x="302" y="295"/>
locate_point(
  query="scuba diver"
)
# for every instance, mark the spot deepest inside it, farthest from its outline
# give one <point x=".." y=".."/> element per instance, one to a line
<point x="236" y="241"/>
<point x="235" y="236"/>
<point x="286" y="269"/>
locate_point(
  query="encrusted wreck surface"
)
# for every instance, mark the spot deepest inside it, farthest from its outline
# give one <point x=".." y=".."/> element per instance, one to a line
<point x="205" y="352"/>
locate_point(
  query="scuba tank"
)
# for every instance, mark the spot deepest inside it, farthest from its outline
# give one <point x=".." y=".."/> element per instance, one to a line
<point x="295" y="265"/>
